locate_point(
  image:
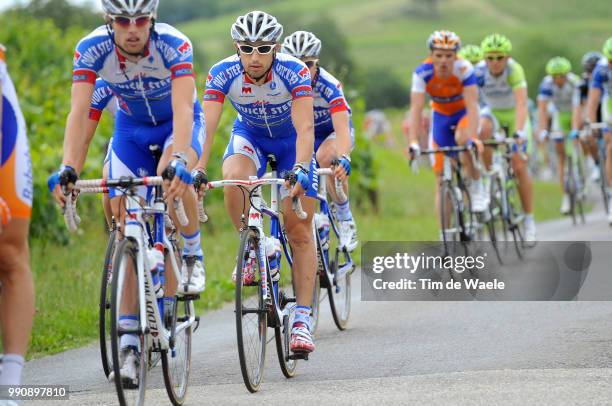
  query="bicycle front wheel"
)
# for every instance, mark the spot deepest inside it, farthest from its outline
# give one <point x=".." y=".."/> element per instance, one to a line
<point x="251" y="311"/>
<point x="130" y="386"/>
<point x="176" y="362"/>
<point x="515" y="217"/>
<point x="105" y="305"/>
<point x="449" y="218"/>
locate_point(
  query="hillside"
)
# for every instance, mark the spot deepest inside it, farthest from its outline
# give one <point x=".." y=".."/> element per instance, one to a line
<point x="392" y="33"/>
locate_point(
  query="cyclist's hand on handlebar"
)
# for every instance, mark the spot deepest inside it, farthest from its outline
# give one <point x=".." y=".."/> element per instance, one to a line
<point x="543" y="135"/>
<point x="176" y="172"/>
<point x="479" y="145"/>
<point x="414" y="151"/>
<point x="519" y="137"/>
<point x="297" y="180"/>
<point x="343" y="167"/>
<point x="61" y="183"/>
<point x="200" y="180"/>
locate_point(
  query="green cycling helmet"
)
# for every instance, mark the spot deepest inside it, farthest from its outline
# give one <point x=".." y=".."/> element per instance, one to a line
<point x="558" y="66"/>
<point x="472" y="53"/>
<point x="496" y="43"/>
<point x="607" y="48"/>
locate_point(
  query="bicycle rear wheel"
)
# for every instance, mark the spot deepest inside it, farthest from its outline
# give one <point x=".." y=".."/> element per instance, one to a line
<point x="498" y="223"/>
<point x="105" y="305"/>
<point x="339" y="289"/>
<point x="316" y="302"/>
<point x="176" y="362"/>
<point x="571" y="188"/>
<point x="125" y="295"/>
<point x="603" y="178"/>
<point x="449" y="219"/>
<point x="251" y="313"/>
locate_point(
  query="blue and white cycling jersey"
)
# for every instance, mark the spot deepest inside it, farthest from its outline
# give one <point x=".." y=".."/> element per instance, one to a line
<point x="144" y="86"/>
<point x="602" y="80"/>
<point x="328" y="99"/>
<point x="263" y="110"/>
<point x="102" y="98"/>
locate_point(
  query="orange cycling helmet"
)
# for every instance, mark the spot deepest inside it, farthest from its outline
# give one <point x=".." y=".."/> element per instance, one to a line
<point x="444" y="40"/>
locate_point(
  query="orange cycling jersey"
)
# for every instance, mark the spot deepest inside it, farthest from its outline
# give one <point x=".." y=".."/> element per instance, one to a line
<point x="446" y="93"/>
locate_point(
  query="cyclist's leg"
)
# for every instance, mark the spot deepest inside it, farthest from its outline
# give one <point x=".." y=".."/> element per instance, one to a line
<point x="557" y="133"/>
<point x="462" y="137"/>
<point x="17" y="288"/>
<point x="441" y="136"/>
<point x="488" y="127"/>
<point x="243" y="158"/>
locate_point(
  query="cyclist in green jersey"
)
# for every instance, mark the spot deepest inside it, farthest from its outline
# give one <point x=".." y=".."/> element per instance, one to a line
<point x="557" y="90"/>
<point x="504" y="102"/>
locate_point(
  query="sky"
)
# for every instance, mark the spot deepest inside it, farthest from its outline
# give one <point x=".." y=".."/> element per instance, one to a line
<point x="8" y="3"/>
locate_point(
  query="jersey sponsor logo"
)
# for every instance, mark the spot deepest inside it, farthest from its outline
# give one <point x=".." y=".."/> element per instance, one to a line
<point x="211" y="97"/>
<point x="246" y="90"/>
<point x="303" y="93"/>
<point x="287" y="74"/>
<point x="169" y="53"/>
<point x="337" y="103"/>
<point x="304" y="73"/>
<point x="272" y="85"/>
<point x="208" y="79"/>
<point x="91" y="55"/>
<point x="183" y="72"/>
<point x="248" y="149"/>
<point x="185" y="49"/>
<point x="77" y="56"/>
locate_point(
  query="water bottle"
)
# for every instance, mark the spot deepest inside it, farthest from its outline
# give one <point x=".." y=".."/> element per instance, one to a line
<point x="273" y="252"/>
<point x="156" y="262"/>
<point x="322" y="224"/>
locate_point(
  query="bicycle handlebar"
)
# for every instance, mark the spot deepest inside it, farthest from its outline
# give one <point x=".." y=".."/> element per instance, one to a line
<point x="297" y="204"/>
<point x="71" y="216"/>
<point x="337" y="184"/>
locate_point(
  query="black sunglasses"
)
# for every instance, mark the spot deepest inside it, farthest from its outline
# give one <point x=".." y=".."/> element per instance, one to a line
<point x="261" y="50"/>
<point x="495" y="58"/>
<point x="311" y="64"/>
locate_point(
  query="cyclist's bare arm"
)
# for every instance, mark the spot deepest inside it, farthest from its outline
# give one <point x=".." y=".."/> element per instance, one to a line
<point x="522" y="109"/>
<point x="417" y="102"/>
<point x="577" y="120"/>
<point x="470" y="95"/>
<point x="212" y="115"/>
<point x="593" y="103"/>
<point x="342" y="128"/>
<point x="183" y="89"/>
<point x="542" y="115"/>
<point x="75" y="145"/>
<point x="302" y="116"/>
<point x="89" y="132"/>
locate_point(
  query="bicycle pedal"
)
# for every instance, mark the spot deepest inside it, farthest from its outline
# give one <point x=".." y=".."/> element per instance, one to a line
<point x="299" y="355"/>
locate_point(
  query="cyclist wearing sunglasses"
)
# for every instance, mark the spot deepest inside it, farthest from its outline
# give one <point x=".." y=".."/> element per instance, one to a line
<point x="557" y="89"/>
<point x="149" y="66"/>
<point x="17" y="305"/>
<point x="602" y="85"/>
<point x="272" y="94"/>
<point x="451" y="84"/>
<point x="503" y="92"/>
<point x="334" y="133"/>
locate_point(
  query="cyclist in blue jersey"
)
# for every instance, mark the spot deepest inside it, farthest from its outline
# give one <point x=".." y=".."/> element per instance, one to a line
<point x="600" y="88"/>
<point x="148" y="65"/>
<point x="334" y="132"/>
<point x="272" y="94"/>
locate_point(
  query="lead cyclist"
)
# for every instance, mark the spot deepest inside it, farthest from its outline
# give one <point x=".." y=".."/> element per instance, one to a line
<point x="149" y="66"/>
<point x="334" y="132"/>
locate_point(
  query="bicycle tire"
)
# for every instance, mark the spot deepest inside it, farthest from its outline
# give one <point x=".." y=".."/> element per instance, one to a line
<point x="339" y="286"/>
<point x="496" y="211"/>
<point x="105" y="304"/>
<point x="177" y="388"/>
<point x="514" y="218"/>
<point x="571" y="189"/>
<point x="316" y="302"/>
<point x="448" y="204"/>
<point x="252" y="373"/>
<point x="126" y="247"/>
<point x="603" y="179"/>
<point x="282" y="337"/>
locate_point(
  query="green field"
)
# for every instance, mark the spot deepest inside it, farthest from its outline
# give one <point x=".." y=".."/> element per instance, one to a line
<point x="391" y="34"/>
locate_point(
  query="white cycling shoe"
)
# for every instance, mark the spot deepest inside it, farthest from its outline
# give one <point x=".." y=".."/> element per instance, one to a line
<point x="348" y="234"/>
<point x="479" y="197"/>
<point x="130" y="360"/>
<point x="530" y="232"/>
<point x="565" y="204"/>
<point x="195" y="284"/>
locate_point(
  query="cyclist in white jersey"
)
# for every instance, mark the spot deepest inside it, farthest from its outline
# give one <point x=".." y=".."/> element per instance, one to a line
<point x="557" y="90"/>
<point x="334" y="132"/>
<point x="17" y="287"/>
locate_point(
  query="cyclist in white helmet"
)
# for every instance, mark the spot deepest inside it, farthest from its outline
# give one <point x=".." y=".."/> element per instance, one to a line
<point x="334" y="133"/>
<point x="149" y="66"/>
<point x="272" y="94"/>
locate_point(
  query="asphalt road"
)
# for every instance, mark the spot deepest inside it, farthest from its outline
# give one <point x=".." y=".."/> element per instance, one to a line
<point x="398" y="353"/>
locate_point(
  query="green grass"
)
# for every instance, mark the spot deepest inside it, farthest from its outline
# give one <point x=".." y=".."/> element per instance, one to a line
<point x="67" y="278"/>
<point x="391" y="34"/>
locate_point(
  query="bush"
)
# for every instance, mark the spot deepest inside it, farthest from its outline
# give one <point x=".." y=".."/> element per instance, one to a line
<point x="384" y="89"/>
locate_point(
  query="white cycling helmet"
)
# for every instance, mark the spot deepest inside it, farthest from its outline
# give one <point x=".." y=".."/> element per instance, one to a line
<point x="130" y="7"/>
<point x="256" y="26"/>
<point x="302" y="44"/>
